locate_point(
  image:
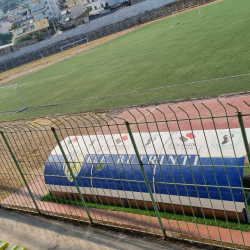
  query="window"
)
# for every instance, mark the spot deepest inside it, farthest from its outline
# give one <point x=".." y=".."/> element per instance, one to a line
<point x="95" y="8"/>
<point x="45" y="22"/>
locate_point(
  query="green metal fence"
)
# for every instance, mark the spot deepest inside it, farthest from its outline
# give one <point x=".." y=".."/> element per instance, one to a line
<point x="173" y="172"/>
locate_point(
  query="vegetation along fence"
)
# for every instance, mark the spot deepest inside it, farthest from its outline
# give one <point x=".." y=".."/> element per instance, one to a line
<point x="170" y="172"/>
<point x="40" y="56"/>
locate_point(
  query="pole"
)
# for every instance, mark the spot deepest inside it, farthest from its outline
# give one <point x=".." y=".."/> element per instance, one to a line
<point x="145" y="178"/>
<point x="48" y="32"/>
<point x="88" y="42"/>
<point x="63" y="54"/>
<point x="54" y="26"/>
<point x="72" y="174"/>
<point x="43" y="59"/>
<point x="244" y="135"/>
<point x="20" y="171"/>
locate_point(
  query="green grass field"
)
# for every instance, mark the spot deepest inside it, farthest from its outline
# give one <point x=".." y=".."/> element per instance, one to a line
<point x="117" y="73"/>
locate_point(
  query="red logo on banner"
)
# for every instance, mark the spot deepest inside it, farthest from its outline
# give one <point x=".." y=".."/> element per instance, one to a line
<point x="125" y="138"/>
<point x="75" y="139"/>
<point x="190" y="135"/>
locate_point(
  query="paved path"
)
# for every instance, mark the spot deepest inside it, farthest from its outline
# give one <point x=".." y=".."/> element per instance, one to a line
<point x="38" y="233"/>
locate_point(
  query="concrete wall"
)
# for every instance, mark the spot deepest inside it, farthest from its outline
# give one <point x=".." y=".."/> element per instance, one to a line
<point x="18" y="46"/>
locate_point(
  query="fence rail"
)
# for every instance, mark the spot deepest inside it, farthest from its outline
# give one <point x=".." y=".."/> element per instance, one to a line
<point x="171" y="172"/>
<point x="42" y="54"/>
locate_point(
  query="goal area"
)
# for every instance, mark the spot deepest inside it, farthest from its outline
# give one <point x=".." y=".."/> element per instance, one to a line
<point x="11" y="100"/>
<point x="70" y="49"/>
<point x="188" y="13"/>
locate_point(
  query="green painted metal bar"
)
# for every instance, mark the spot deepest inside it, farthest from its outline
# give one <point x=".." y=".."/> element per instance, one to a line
<point x="20" y="171"/>
<point x="145" y="178"/>
<point x="72" y="174"/>
<point x="244" y="135"/>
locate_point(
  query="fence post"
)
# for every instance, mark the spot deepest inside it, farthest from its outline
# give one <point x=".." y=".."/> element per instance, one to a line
<point x="72" y="175"/>
<point x="145" y="178"/>
<point x="20" y="171"/>
<point x="244" y="135"/>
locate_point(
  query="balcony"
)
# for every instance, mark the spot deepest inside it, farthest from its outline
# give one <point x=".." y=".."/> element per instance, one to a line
<point x="38" y="8"/>
<point x="46" y="15"/>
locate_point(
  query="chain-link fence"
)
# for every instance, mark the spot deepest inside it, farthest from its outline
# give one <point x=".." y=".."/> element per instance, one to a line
<point x="53" y="53"/>
<point x="166" y="171"/>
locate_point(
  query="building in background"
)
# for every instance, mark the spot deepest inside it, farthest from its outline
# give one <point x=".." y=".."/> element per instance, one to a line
<point x="73" y="9"/>
<point x="44" y="9"/>
<point x="17" y="12"/>
<point x="97" y="6"/>
<point x="24" y="19"/>
<point x="31" y="28"/>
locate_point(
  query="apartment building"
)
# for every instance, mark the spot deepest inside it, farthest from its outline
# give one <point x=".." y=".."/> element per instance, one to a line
<point x="98" y="5"/>
<point x="44" y="9"/>
<point x="24" y="19"/>
<point x="16" y="12"/>
<point x="30" y="28"/>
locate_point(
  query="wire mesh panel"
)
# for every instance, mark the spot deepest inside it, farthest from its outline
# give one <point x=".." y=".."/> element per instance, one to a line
<point x="170" y="171"/>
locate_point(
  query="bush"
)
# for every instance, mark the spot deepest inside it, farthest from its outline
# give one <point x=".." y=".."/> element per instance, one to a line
<point x="14" y="26"/>
<point x="5" y="38"/>
<point x="106" y="6"/>
<point x="39" y="36"/>
<point x="23" y="38"/>
<point x="80" y="22"/>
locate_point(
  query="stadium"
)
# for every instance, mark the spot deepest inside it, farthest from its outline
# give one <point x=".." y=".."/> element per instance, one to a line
<point x="141" y="125"/>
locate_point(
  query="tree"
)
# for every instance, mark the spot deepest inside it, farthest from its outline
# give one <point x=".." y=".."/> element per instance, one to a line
<point x="5" y="38"/>
<point x="5" y="8"/>
<point x="106" y="6"/>
<point x="39" y="36"/>
<point x="23" y="38"/>
<point x="14" y="26"/>
<point x="7" y="4"/>
<point x="89" y="9"/>
<point x="79" y="22"/>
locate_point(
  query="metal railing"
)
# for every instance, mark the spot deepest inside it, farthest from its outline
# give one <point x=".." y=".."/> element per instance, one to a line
<point x="167" y="171"/>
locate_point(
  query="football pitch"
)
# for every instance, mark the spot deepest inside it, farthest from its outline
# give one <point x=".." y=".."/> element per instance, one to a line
<point x="159" y="62"/>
